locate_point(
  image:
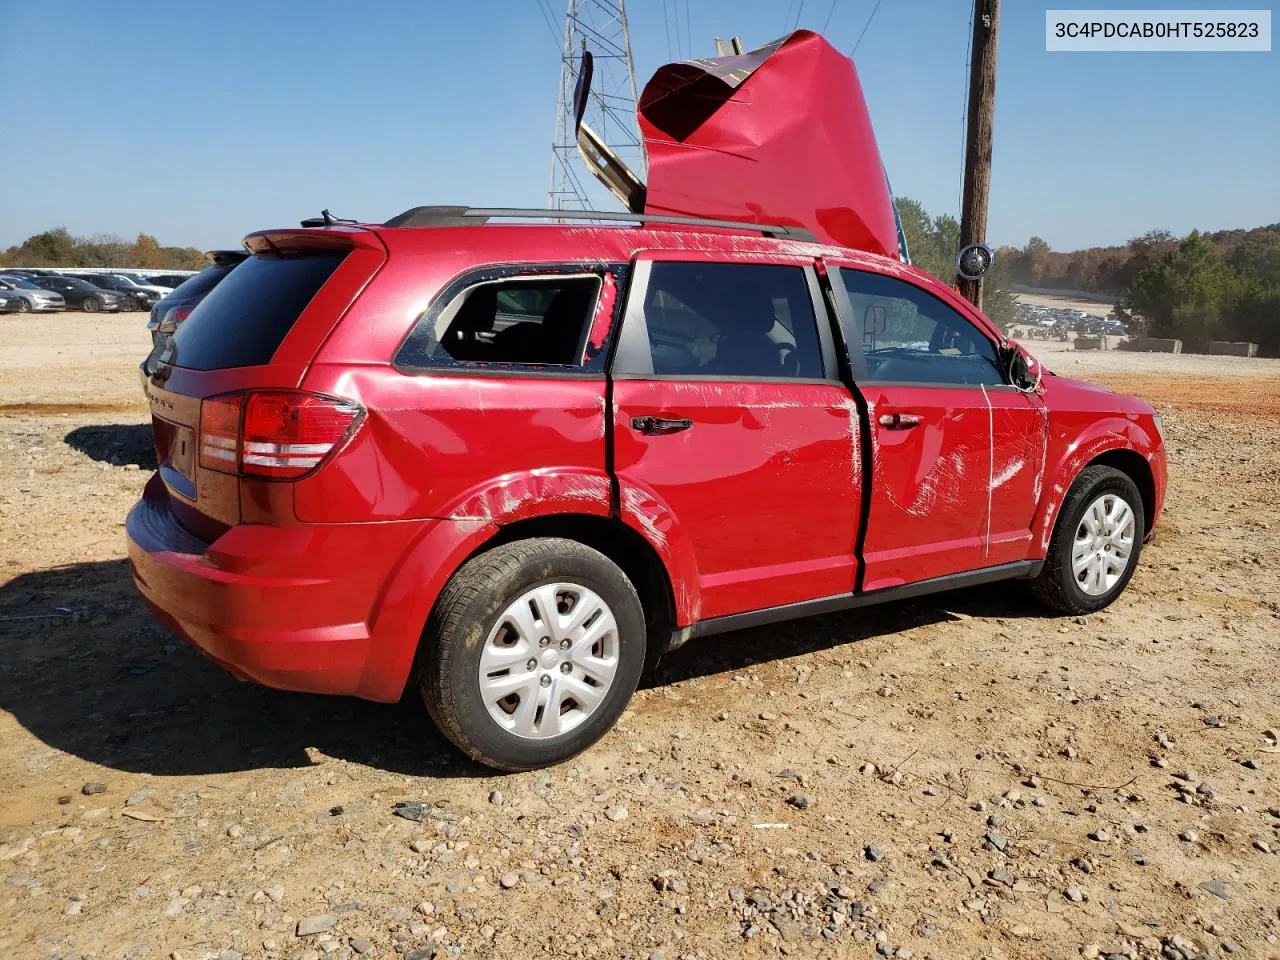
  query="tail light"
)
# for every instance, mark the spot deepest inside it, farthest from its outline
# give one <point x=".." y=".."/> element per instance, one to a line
<point x="173" y="317"/>
<point x="280" y="435"/>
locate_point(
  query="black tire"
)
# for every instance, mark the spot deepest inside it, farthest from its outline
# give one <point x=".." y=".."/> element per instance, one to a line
<point x="466" y="612"/>
<point x="90" y="305"/>
<point x="1056" y="586"/>
<point x="24" y="305"/>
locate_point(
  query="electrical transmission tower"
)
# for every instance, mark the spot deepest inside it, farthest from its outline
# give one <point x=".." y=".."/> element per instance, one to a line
<point x="601" y="27"/>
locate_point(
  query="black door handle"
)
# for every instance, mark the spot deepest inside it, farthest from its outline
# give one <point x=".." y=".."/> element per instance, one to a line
<point x="659" y="425"/>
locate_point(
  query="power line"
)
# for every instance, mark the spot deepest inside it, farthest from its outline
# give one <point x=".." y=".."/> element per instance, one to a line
<point x="798" y="13"/>
<point x="666" y="22"/>
<point x="874" y="10"/>
<point x="786" y="17"/>
<point x="827" y="21"/>
<point x="688" y="37"/>
<point x="546" y="18"/>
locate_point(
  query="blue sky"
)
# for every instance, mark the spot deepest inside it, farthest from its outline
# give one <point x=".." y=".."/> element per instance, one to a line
<point x="199" y="122"/>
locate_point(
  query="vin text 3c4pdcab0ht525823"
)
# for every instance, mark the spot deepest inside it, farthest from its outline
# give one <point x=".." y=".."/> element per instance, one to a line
<point x="510" y="463"/>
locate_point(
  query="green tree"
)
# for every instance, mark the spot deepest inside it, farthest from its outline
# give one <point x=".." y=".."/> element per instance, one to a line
<point x="934" y="243"/>
<point x="1183" y="293"/>
<point x="55" y="246"/>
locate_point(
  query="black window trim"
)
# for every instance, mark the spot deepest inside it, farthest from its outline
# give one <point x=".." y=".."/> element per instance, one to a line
<point x="851" y="330"/>
<point x="420" y="331"/>
<point x="633" y="351"/>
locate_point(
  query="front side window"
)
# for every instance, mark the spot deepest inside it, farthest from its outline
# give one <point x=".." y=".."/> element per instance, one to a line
<point x="910" y="336"/>
<point x="531" y="319"/>
<point x="747" y="321"/>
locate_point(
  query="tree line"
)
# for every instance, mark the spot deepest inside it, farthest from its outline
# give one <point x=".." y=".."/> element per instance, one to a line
<point x="1201" y="287"/>
<point x="1204" y="286"/>
<point x="58" y="248"/>
<point x="933" y="243"/>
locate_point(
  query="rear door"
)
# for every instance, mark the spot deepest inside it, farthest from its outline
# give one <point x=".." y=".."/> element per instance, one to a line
<point x="956" y="451"/>
<point x="729" y="415"/>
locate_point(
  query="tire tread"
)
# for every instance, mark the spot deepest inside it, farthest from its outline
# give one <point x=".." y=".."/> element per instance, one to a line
<point x="447" y="623"/>
<point x="1049" y="587"/>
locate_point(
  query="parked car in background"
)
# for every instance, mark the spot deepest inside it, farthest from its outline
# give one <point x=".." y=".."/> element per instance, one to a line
<point x="11" y="303"/>
<point x="81" y="293"/>
<point x="169" y="313"/>
<point x="34" y="297"/>
<point x="170" y="280"/>
<point x="144" y="283"/>
<point x="135" y="297"/>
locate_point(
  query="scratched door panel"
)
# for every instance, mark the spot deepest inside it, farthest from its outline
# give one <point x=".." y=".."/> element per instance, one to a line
<point x="765" y="484"/>
<point x="1020" y="439"/>
<point x="929" y="483"/>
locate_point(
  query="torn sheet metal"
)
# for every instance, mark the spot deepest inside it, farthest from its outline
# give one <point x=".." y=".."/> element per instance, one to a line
<point x="778" y="135"/>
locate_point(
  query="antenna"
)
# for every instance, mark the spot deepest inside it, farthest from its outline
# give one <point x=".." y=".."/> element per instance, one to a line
<point x="609" y="110"/>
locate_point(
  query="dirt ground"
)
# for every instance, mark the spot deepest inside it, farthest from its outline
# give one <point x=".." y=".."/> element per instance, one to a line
<point x="961" y="776"/>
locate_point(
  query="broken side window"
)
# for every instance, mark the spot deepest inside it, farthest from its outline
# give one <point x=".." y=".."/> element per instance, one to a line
<point x="539" y="320"/>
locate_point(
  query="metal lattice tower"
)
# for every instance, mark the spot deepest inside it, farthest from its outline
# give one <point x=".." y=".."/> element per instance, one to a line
<point x="601" y="27"/>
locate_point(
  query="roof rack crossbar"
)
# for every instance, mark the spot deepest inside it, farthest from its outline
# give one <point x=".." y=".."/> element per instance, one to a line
<point x="438" y="216"/>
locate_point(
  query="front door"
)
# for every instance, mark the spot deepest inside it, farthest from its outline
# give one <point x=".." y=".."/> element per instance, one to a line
<point x="941" y="415"/>
<point x="729" y="417"/>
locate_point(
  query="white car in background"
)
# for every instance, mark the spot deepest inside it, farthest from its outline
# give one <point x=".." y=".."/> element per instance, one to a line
<point x="141" y="284"/>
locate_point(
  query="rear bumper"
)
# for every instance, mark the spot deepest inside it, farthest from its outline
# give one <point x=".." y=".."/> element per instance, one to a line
<point x="292" y="608"/>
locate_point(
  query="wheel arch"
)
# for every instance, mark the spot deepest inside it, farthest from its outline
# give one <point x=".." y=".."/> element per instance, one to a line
<point x="1135" y="466"/>
<point x="1121" y="440"/>
<point x="633" y="554"/>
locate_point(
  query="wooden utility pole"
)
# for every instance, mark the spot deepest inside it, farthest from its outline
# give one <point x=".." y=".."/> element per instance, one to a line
<point x="977" y="154"/>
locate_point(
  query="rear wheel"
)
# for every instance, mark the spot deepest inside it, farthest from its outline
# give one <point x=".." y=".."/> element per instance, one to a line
<point x="90" y="305"/>
<point x="532" y="653"/>
<point x="1095" y="544"/>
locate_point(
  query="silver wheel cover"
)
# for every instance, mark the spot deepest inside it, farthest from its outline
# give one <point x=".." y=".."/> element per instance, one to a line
<point x="1103" y="545"/>
<point x="549" y="660"/>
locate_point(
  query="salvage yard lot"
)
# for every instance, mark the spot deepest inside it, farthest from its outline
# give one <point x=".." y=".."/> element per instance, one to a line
<point x="961" y="776"/>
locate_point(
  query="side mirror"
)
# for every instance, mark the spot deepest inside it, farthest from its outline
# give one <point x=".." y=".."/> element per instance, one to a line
<point x="1023" y="371"/>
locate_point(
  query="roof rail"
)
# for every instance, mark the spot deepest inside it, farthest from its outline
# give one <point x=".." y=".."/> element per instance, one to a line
<point x="462" y="216"/>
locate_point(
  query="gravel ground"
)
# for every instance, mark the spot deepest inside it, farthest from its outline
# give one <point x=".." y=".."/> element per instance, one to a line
<point x="956" y="777"/>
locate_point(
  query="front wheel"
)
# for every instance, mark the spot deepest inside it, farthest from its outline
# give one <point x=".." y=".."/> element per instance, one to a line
<point x="532" y="653"/>
<point x="90" y="305"/>
<point x="1095" y="544"/>
<point x="24" y="305"/>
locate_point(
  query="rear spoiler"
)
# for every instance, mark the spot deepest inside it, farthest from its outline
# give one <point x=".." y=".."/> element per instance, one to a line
<point x="299" y="239"/>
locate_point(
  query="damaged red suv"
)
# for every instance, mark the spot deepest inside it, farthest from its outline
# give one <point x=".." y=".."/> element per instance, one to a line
<point x="509" y="463"/>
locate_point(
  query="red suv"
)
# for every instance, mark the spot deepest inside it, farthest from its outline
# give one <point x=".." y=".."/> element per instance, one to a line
<point x="511" y="463"/>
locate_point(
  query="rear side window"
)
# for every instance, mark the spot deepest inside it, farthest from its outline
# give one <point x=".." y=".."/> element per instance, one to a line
<point x="246" y="317"/>
<point x="537" y="320"/>
<point x="747" y="321"/>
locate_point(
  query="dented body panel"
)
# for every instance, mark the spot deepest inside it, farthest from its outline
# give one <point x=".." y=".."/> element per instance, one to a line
<point x="764" y="487"/>
<point x="778" y="135"/>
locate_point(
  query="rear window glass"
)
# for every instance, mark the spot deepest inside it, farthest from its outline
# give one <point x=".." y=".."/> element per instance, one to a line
<point x="247" y="316"/>
<point x="201" y="283"/>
